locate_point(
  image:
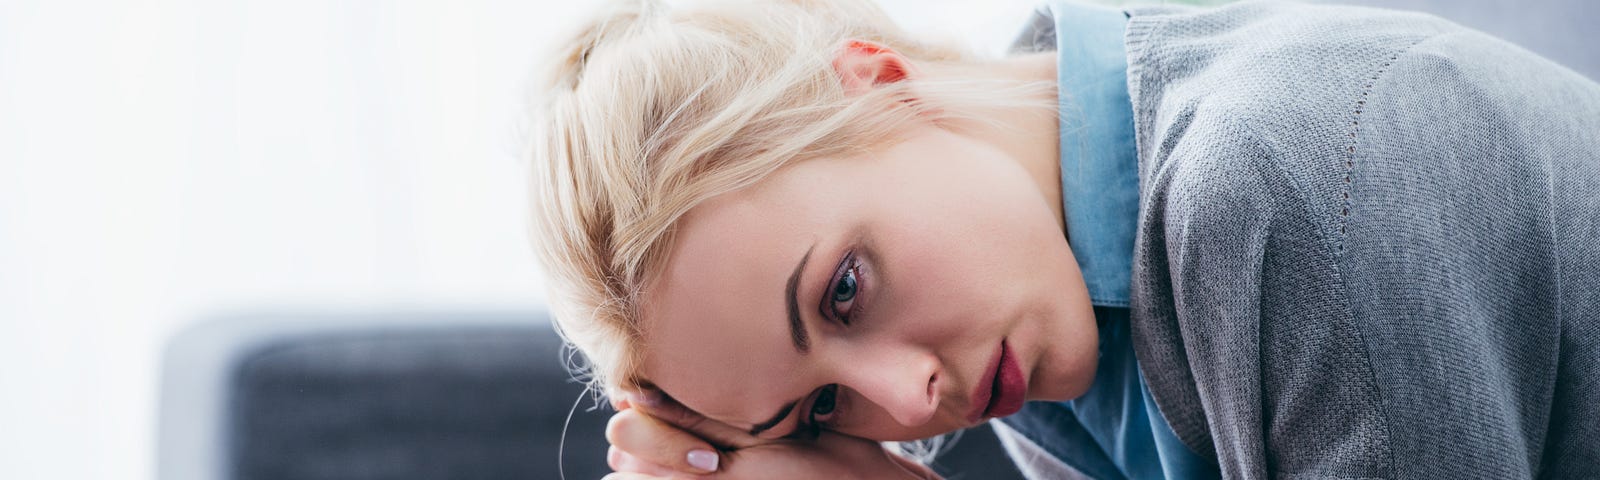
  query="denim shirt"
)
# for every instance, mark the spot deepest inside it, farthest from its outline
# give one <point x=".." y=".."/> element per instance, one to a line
<point x="1114" y="430"/>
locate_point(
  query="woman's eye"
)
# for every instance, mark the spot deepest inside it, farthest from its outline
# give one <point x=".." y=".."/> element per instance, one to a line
<point x="822" y="409"/>
<point x="844" y="292"/>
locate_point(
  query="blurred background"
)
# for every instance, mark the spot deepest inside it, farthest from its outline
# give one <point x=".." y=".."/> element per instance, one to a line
<point x="178" y="178"/>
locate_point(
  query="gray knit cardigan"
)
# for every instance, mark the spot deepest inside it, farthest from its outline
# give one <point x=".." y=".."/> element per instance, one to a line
<point x="1368" y="244"/>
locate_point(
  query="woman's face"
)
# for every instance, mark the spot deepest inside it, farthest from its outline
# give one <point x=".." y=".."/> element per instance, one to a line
<point x="903" y="270"/>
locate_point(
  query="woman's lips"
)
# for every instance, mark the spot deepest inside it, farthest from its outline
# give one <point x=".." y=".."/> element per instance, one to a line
<point x="984" y="390"/>
<point x="1001" y="390"/>
<point x="1010" y="390"/>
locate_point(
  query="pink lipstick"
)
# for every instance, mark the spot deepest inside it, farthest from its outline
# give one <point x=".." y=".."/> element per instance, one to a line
<point x="1002" y="390"/>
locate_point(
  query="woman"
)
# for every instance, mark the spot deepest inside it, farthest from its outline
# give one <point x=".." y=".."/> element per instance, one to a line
<point x="1253" y="241"/>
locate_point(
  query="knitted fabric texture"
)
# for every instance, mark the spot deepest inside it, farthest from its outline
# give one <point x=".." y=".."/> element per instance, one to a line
<point x="1368" y="245"/>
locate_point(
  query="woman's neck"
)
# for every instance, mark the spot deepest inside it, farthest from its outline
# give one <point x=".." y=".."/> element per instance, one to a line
<point x="1027" y="129"/>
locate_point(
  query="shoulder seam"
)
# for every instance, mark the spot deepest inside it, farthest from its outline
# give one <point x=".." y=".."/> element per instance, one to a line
<point x="1355" y="140"/>
<point x="1304" y="204"/>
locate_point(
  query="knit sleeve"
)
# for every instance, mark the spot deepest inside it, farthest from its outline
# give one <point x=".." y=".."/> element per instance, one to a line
<point x="1242" y="325"/>
<point x="1471" y="254"/>
<point x="1422" y="309"/>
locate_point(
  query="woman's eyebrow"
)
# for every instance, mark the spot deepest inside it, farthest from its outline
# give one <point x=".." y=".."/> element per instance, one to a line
<point x="797" y="333"/>
<point x="797" y="327"/>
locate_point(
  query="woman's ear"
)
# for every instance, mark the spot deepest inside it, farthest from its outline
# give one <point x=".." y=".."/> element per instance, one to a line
<point x="863" y="64"/>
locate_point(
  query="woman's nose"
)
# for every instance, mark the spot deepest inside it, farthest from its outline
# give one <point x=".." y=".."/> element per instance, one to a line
<point x="902" y="383"/>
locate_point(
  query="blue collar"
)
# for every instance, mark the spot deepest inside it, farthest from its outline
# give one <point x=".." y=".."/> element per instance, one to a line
<point x="1114" y="430"/>
<point x="1099" y="162"/>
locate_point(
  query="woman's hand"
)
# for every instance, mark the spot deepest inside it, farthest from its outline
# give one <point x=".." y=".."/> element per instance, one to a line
<point x="654" y="437"/>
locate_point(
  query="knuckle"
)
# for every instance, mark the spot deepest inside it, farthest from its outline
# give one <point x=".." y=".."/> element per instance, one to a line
<point x="614" y="458"/>
<point x="620" y="423"/>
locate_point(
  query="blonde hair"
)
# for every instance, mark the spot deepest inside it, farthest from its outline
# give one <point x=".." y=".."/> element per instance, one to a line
<point x="648" y="112"/>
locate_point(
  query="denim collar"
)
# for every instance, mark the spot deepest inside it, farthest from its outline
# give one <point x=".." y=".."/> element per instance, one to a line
<point x="1099" y="161"/>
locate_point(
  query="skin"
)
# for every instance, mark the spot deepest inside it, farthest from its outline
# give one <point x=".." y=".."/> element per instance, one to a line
<point x="956" y="243"/>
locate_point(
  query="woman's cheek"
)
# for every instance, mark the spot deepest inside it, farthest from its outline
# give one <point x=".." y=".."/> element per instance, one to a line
<point x="868" y="287"/>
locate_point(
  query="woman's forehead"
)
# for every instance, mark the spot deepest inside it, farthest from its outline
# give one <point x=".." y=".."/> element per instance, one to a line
<point x="716" y="330"/>
<point x="755" y="234"/>
<point x="715" y="321"/>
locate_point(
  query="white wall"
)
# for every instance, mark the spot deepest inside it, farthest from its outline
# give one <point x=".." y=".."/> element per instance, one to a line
<point x="164" y="160"/>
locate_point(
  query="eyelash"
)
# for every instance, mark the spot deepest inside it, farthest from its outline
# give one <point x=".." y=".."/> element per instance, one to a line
<point x="812" y="423"/>
<point x="850" y="268"/>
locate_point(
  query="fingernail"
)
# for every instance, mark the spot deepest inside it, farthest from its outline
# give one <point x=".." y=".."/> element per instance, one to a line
<point x="703" y="460"/>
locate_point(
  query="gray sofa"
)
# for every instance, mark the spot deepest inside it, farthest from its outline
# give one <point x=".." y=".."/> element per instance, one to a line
<point x="399" y="396"/>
